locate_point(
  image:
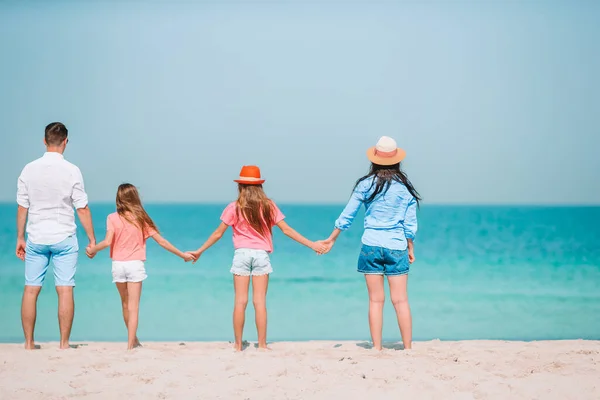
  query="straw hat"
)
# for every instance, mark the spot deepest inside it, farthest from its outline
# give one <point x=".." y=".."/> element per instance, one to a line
<point x="386" y="152"/>
<point x="250" y="175"/>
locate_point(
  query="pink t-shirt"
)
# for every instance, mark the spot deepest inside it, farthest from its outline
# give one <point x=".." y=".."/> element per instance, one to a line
<point x="244" y="235"/>
<point x="129" y="244"/>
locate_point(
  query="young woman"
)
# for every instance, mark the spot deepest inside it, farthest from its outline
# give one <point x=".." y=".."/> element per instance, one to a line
<point x="252" y="217"/>
<point x="126" y="234"/>
<point x="390" y="202"/>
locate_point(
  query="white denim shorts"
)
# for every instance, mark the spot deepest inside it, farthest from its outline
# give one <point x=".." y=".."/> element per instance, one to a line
<point x="251" y="262"/>
<point x="128" y="271"/>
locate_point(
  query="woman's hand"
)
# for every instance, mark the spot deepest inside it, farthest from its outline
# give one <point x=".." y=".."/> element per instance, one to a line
<point x="411" y="252"/>
<point x="328" y="244"/>
<point x="319" y="248"/>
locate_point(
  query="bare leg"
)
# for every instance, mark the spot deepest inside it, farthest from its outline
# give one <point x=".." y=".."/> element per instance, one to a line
<point x="259" y="299"/>
<point x="28" y="314"/>
<point x="134" y="292"/>
<point x="399" y="296"/>
<point x="66" y="311"/>
<point x="376" y="299"/>
<point x="240" y="285"/>
<point x="122" y="288"/>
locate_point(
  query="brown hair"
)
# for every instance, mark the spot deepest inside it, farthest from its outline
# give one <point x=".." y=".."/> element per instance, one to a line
<point x="256" y="208"/>
<point x="129" y="206"/>
<point x="56" y="133"/>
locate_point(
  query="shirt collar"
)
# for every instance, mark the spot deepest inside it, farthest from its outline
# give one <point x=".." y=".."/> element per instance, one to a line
<point x="53" y="154"/>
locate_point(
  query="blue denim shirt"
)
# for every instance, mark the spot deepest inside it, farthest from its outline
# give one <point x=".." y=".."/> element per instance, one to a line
<point x="390" y="218"/>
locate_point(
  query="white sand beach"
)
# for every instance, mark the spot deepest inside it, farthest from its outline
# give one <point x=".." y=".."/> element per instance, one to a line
<point x="304" y="370"/>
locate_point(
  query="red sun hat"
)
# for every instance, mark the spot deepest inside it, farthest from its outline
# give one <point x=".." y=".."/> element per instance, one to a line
<point x="250" y="175"/>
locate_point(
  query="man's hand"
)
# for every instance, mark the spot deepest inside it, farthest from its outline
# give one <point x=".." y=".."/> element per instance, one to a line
<point x="89" y="251"/>
<point x="20" y="252"/>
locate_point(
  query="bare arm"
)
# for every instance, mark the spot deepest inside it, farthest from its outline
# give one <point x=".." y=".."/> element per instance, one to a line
<point x="292" y="234"/>
<point x="21" y="222"/>
<point x="85" y="217"/>
<point x="334" y="235"/>
<point x="212" y="239"/>
<point x="93" y="249"/>
<point x="22" y="210"/>
<point x="164" y="243"/>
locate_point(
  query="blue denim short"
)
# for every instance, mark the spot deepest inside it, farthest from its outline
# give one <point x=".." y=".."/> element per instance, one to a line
<point x="63" y="255"/>
<point x="375" y="260"/>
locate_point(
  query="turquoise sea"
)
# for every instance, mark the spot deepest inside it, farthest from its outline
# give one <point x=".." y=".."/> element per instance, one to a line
<point x="522" y="273"/>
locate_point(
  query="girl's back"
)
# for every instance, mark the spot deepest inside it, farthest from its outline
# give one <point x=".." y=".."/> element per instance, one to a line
<point x="129" y="241"/>
<point x="244" y="235"/>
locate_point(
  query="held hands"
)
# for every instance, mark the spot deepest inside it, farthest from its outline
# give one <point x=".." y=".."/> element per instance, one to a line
<point x="189" y="256"/>
<point x="318" y="247"/>
<point x="323" y="246"/>
<point x="90" y="251"/>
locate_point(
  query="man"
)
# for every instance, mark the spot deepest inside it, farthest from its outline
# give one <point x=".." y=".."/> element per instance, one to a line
<point x="47" y="191"/>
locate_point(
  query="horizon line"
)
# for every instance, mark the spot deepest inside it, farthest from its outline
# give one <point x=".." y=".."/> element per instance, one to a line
<point x="317" y="204"/>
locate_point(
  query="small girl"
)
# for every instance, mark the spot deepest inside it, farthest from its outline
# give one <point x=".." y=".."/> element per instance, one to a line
<point x="126" y="234"/>
<point x="390" y="202"/>
<point x="252" y="216"/>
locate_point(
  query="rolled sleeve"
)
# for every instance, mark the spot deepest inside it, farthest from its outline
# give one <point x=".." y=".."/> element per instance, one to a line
<point x="347" y="216"/>
<point x="79" y="196"/>
<point x="22" y="193"/>
<point x="410" y="220"/>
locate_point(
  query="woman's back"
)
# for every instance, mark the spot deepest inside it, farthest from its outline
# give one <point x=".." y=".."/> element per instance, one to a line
<point x="388" y="210"/>
<point x="390" y="217"/>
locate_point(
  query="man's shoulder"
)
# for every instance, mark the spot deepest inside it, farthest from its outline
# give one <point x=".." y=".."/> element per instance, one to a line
<point x="70" y="165"/>
<point x="33" y="163"/>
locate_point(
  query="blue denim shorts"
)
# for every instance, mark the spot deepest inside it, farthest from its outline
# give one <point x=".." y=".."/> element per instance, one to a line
<point x="63" y="255"/>
<point x="375" y="260"/>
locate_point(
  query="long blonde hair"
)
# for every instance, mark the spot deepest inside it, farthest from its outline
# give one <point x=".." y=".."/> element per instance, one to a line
<point x="129" y="206"/>
<point x="256" y="208"/>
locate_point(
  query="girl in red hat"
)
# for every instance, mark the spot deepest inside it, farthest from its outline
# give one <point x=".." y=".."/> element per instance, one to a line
<point x="252" y="217"/>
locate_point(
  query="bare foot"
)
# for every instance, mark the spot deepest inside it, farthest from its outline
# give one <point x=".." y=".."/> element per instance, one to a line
<point x="65" y="346"/>
<point x="31" y="346"/>
<point x="237" y="347"/>
<point x="264" y="348"/>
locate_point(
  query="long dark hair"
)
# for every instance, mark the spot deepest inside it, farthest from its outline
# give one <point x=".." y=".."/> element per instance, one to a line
<point x="256" y="208"/>
<point x="383" y="176"/>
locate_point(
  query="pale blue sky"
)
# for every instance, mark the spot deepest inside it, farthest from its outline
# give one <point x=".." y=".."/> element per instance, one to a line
<point x="495" y="102"/>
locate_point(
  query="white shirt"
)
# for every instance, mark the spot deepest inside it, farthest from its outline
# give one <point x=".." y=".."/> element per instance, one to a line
<point x="50" y="187"/>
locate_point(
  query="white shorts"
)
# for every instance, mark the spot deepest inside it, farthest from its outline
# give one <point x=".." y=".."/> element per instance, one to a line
<point x="128" y="271"/>
<point x="251" y="262"/>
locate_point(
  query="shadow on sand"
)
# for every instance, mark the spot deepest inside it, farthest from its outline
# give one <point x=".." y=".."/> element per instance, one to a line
<point x="386" y="345"/>
<point x="245" y="345"/>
